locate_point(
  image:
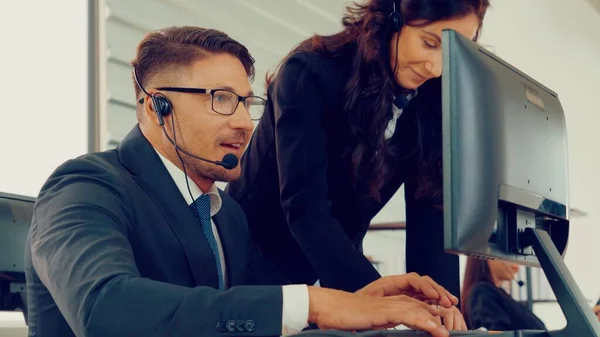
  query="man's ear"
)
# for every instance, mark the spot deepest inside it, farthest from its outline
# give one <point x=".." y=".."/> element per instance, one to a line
<point x="149" y="110"/>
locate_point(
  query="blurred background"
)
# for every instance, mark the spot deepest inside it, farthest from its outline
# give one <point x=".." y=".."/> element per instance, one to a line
<point x="67" y="89"/>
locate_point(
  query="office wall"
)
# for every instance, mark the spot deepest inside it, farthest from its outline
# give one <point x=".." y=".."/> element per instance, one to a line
<point x="43" y="88"/>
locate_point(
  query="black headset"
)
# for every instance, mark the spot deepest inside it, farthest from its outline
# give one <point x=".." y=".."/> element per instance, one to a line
<point x="162" y="106"/>
<point x="395" y="17"/>
<point x="160" y="103"/>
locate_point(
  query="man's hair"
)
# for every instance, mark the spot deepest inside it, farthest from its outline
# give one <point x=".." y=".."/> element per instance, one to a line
<point x="182" y="46"/>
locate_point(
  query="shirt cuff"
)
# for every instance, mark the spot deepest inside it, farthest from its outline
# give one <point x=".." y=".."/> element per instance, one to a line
<point x="295" y="309"/>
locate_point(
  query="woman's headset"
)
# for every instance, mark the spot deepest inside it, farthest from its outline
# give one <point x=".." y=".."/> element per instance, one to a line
<point x="395" y="17"/>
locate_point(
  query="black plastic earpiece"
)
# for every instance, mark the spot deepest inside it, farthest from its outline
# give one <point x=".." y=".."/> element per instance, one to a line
<point x="161" y="106"/>
<point x="395" y="18"/>
<point x="160" y="103"/>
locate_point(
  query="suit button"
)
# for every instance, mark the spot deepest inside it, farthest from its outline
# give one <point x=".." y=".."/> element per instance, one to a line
<point x="250" y="325"/>
<point x="239" y="326"/>
<point x="230" y="326"/>
<point x="221" y="326"/>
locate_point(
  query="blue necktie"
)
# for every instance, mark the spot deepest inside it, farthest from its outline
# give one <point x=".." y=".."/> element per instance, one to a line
<point x="202" y="205"/>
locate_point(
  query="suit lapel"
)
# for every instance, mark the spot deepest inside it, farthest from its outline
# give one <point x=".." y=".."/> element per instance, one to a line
<point x="140" y="158"/>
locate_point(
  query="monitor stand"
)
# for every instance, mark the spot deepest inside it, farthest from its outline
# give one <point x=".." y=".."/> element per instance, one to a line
<point x="581" y="321"/>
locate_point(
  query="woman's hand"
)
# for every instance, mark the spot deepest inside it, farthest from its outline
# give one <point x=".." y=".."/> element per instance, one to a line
<point x="597" y="311"/>
<point x="413" y="285"/>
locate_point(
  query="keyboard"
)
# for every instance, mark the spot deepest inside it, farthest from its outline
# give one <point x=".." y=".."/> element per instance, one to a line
<point x="417" y="333"/>
<point x="468" y="333"/>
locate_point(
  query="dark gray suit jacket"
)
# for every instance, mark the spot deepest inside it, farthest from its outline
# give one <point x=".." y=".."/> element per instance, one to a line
<point x="114" y="250"/>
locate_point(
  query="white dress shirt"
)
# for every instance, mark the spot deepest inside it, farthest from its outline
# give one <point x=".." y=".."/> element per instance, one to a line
<point x="295" y="297"/>
<point x="391" y="127"/>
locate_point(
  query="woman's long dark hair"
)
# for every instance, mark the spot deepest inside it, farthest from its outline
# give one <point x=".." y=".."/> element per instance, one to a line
<point x="368" y="94"/>
<point x="476" y="271"/>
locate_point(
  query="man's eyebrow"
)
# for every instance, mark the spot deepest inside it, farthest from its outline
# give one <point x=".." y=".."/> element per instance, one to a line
<point x="249" y="93"/>
<point x="437" y="37"/>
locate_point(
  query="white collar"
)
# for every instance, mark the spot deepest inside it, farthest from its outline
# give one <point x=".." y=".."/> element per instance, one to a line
<point x="391" y="127"/>
<point x="179" y="179"/>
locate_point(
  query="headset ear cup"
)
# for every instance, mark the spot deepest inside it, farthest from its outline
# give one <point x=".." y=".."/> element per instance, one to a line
<point x="397" y="22"/>
<point x="161" y="106"/>
<point x="396" y="18"/>
<point x="161" y="121"/>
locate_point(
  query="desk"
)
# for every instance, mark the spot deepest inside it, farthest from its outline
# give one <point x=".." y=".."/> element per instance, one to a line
<point x="12" y="324"/>
<point x="13" y="332"/>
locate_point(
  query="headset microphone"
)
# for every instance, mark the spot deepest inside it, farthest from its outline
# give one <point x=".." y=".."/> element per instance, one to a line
<point x="229" y="161"/>
<point x="401" y="101"/>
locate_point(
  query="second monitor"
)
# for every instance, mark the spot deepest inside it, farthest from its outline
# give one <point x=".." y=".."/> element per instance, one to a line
<point x="505" y="156"/>
<point x="506" y="191"/>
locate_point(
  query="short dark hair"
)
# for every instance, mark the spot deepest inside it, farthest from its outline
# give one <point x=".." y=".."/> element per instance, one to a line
<point x="182" y="46"/>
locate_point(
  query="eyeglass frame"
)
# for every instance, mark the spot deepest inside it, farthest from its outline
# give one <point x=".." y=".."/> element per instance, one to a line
<point x="211" y="93"/>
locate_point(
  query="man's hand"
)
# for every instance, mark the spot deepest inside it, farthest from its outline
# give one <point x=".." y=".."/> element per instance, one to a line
<point x="597" y="311"/>
<point x="419" y="287"/>
<point x="334" y="309"/>
<point x="452" y="319"/>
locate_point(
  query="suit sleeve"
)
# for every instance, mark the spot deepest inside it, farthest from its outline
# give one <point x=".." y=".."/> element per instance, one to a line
<point x="300" y="138"/>
<point x="81" y="252"/>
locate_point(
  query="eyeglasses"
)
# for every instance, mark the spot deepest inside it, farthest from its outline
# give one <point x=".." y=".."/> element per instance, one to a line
<point x="225" y="102"/>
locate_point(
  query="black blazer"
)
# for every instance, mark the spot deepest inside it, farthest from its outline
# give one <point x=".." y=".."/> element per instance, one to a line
<point x="114" y="250"/>
<point x="297" y="191"/>
<point x="492" y="308"/>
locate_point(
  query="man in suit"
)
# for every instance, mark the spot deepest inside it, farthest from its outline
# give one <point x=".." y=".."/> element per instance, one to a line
<point x="138" y="240"/>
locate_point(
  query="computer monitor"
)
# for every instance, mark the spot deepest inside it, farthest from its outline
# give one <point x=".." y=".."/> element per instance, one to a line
<point x="16" y="212"/>
<point x="505" y="162"/>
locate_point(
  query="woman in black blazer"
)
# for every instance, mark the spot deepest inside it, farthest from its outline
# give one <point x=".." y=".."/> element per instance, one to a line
<point x="331" y="149"/>
<point x="485" y="304"/>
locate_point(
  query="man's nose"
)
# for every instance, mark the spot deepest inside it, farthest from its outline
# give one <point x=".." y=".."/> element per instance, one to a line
<point x="241" y="119"/>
